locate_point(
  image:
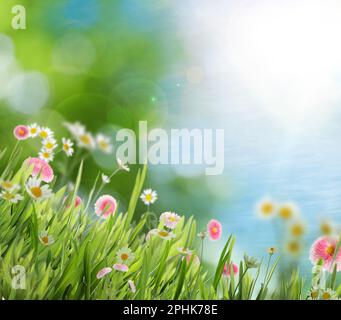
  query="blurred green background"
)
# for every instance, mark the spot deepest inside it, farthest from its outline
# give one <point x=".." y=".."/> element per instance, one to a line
<point x="107" y="64"/>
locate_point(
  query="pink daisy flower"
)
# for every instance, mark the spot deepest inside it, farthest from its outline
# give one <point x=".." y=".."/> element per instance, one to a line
<point x="103" y="272"/>
<point x="170" y="219"/>
<point x="40" y="167"/>
<point x="324" y="248"/>
<point x="227" y="269"/>
<point x="120" y="267"/>
<point x="21" y="132"/>
<point x="105" y="206"/>
<point x="214" y="229"/>
<point x="78" y="201"/>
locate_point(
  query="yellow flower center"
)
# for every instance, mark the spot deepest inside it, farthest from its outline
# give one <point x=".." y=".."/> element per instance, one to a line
<point x="297" y="230"/>
<point x="272" y="250"/>
<point x="148" y="197"/>
<point x="36" y="191"/>
<point x="33" y="130"/>
<point x="45" y="239"/>
<point x="8" y="196"/>
<point x="326" y="228"/>
<point x="103" y="145"/>
<point x="293" y="247"/>
<point x="163" y="233"/>
<point x="46" y="155"/>
<point x="124" y="256"/>
<point x="66" y="147"/>
<point x="44" y="134"/>
<point x="331" y="250"/>
<point x="85" y="139"/>
<point x="314" y="294"/>
<point x="172" y="219"/>
<point x="285" y="212"/>
<point x="49" y="145"/>
<point x="267" y="208"/>
<point x="326" y="296"/>
<point x="7" y="185"/>
<point x="214" y="229"/>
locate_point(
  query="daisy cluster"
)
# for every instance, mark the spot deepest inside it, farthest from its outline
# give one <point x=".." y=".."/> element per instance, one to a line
<point x="85" y="139"/>
<point x="289" y="214"/>
<point x="49" y="144"/>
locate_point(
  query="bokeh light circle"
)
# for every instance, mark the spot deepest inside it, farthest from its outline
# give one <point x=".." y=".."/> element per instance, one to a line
<point x="28" y="92"/>
<point x="73" y="54"/>
<point x="6" y="52"/>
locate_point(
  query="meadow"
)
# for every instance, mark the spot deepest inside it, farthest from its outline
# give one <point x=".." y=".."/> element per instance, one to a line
<point x="56" y="245"/>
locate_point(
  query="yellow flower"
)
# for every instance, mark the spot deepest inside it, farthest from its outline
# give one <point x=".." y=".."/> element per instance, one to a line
<point x="272" y="250"/>
<point x="266" y="208"/>
<point x="125" y="255"/>
<point x="45" y="133"/>
<point x="297" y="229"/>
<point x="46" y="239"/>
<point x="34" y="130"/>
<point x="328" y="294"/>
<point x="327" y="227"/>
<point x="287" y="211"/>
<point x="294" y="247"/>
<point x="9" y="186"/>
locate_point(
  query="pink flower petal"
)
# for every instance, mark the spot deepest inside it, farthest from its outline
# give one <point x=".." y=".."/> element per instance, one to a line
<point x="105" y="206"/>
<point x="120" y="267"/>
<point x="78" y="201"/>
<point x="103" y="272"/>
<point x="227" y="270"/>
<point x="40" y="167"/>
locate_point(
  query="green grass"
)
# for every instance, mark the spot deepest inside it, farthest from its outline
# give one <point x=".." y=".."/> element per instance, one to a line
<point x="84" y="244"/>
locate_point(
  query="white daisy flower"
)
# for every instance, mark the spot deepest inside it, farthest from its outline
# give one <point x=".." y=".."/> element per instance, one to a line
<point x="125" y="256"/>
<point x="163" y="234"/>
<point x="45" y="133"/>
<point x="328" y="294"/>
<point x="122" y="166"/>
<point x="67" y="146"/>
<point x="50" y="144"/>
<point x="45" y="239"/>
<point x="33" y="130"/>
<point x="314" y="293"/>
<point x="105" y="179"/>
<point x="170" y="219"/>
<point x="86" y="140"/>
<point x="266" y="208"/>
<point x="103" y="143"/>
<point x="36" y="191"/>
<point x="76" y="129"/>
<point x="287" y="211"/>
<point x="9" y="186"/>
<point x="148" y="196"/>
<point x="46" y="155"/>
<point x="11" y="197"/>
